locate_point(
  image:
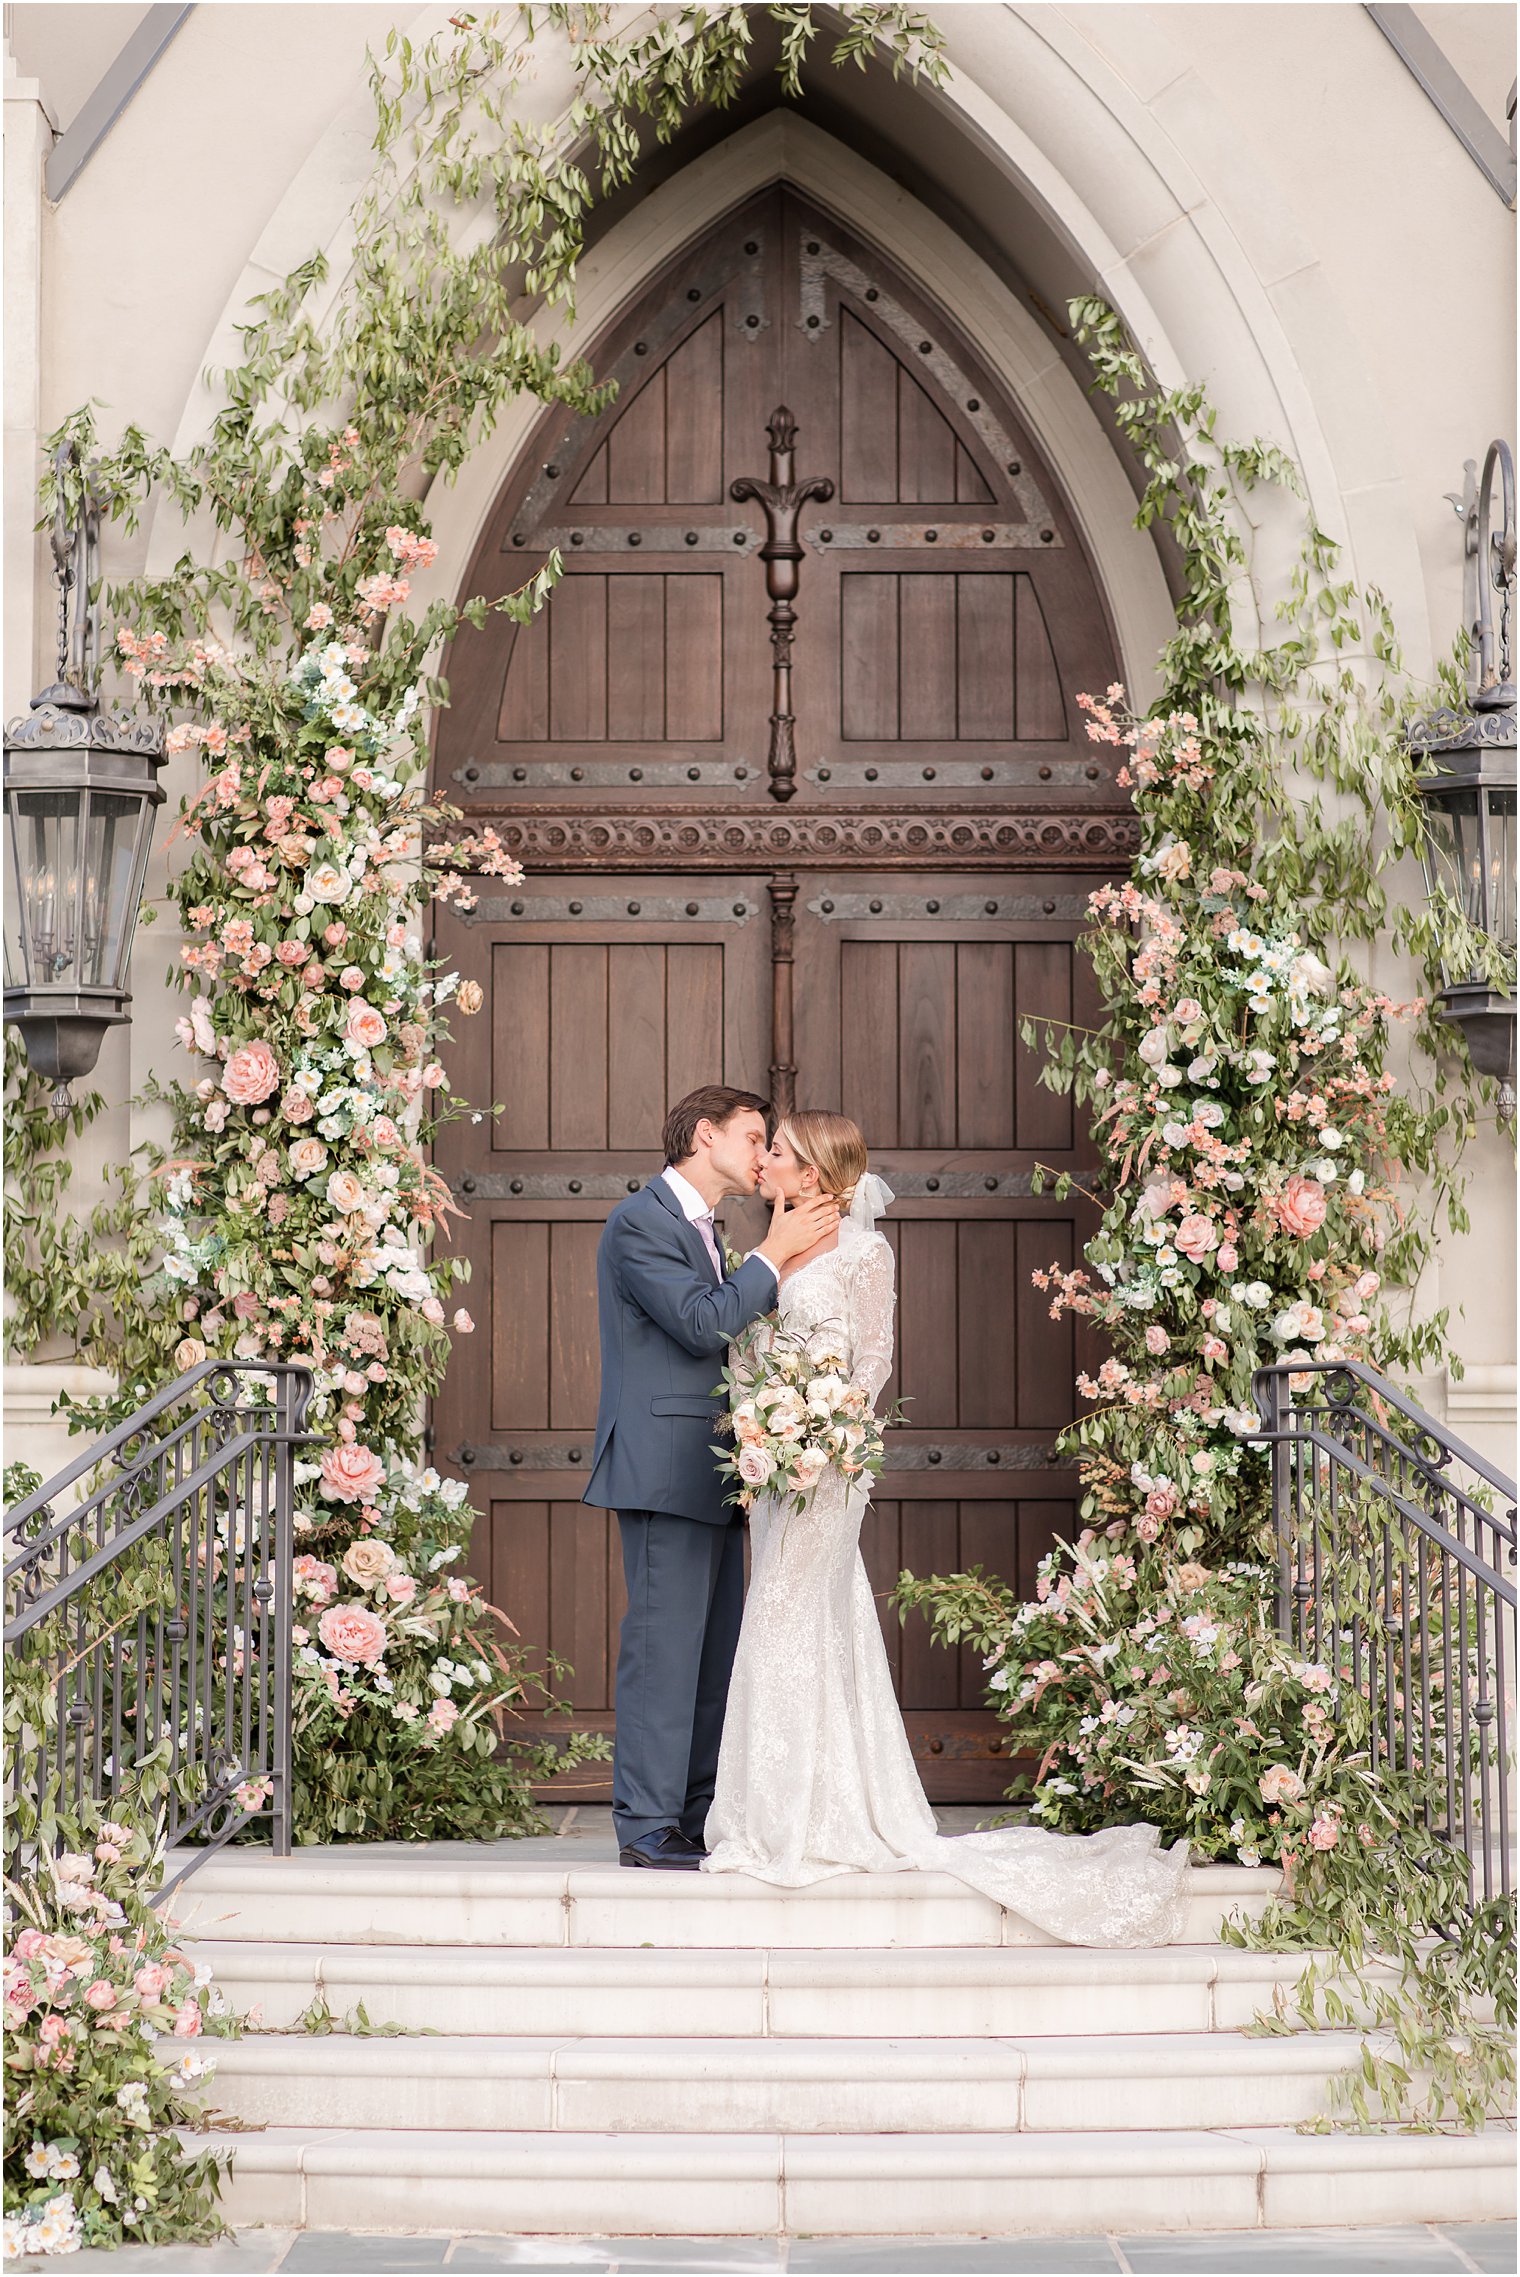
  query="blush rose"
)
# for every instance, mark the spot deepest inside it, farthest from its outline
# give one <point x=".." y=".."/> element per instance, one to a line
<point x="351" y="1473"/>
<point x="353" y="1633"/>
<point x="251" y="1074"/>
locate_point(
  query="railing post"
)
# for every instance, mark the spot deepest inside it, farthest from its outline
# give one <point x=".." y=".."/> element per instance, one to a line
<point x="1274" y="1402"/>
<point x="290" y="1412"/>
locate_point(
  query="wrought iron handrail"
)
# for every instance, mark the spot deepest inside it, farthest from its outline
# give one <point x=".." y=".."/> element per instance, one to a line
<point x="158" y="1600"/>
<point x="1399" y="1575"/>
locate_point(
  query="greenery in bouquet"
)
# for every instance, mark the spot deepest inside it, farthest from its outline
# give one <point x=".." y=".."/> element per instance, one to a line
<point x="105" y="2061"/>
<point x="793" y="1414"/>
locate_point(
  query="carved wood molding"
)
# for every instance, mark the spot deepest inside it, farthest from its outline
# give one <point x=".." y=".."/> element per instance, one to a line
<point x="917" y="838"/>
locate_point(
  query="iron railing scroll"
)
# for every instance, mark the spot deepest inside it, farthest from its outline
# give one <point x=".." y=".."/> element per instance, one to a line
<point x="149" y="1587"/>
<point x="1396" y="1570"/>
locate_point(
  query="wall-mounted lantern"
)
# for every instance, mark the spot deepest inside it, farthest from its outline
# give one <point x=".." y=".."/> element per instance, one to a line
<point x="81" y="785"/>
<point x="1465" y="760"/>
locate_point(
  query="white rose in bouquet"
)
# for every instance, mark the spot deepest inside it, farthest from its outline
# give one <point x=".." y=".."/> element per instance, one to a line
<point x="824" y="1394"/>
<point x="809" y="1468"/>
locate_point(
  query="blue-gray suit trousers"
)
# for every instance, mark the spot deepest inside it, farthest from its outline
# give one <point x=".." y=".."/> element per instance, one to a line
<point x="685" y="1600"/>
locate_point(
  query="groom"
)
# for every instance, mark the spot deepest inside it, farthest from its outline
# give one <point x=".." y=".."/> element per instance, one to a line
<point x="668" y="1310"/>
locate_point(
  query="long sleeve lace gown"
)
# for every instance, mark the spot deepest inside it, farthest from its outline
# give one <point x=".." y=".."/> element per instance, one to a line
<point x="816" y="1776"/>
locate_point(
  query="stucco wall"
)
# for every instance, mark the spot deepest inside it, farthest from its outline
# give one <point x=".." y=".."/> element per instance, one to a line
<point x="1264" y="191"/>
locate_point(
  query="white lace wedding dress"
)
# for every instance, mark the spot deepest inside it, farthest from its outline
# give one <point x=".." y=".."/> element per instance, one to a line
<point x="816" y="1777"/>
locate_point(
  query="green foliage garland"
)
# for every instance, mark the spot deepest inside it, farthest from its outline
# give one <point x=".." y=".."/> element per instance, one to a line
<point x="1271" y="1184"/>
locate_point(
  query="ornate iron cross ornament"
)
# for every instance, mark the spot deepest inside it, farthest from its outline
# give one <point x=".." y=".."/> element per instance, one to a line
<point x="781" y="500"/>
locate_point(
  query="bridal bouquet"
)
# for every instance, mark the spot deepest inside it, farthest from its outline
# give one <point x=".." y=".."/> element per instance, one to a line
<point x="793" y="1416"/>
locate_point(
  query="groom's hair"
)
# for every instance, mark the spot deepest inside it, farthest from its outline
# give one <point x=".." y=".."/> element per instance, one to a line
<point x="713" y="1103"/>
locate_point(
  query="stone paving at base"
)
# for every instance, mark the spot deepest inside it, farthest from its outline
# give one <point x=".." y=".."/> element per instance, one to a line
<point x="1488" y="2247"/>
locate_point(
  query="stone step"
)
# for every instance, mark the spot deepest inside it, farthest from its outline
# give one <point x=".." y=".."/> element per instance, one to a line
<point x="733" y="2185"/>
<point x="802" y="2086"/>
<point x="786" y="1992"/>
<point x="436" y="1895"/>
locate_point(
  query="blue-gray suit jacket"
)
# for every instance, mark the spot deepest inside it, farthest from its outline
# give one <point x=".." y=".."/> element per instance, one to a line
<point x="665" y="1327"/>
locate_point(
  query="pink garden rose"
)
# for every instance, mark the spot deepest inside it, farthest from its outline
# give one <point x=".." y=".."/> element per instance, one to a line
<point x="1196" y="1237"/>
<point x="353" y="1633"/>
<point x="296" y="1106"/>
<point x="151" y="1979"/>
<point x="366" y="1027"/>
<point x="187" y="2021"/>
<point x="442" y="1716"/>
<point x="251" y="1074"/>
<point x="1301" y="1206"/>
<point x="1324" y="1833"/>
<point x="400" y="1588"/>
<point x="351" y="1473"/>
<point x="101" y="1994"/>
<point x="307" y="1157"/>
<point x="344" y="1193"/>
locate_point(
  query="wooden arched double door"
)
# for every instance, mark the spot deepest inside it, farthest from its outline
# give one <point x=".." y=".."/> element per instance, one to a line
<point x="865" y="932"/>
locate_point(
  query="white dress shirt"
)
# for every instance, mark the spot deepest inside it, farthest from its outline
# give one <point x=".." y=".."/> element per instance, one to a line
<point x="694" y="1208"/>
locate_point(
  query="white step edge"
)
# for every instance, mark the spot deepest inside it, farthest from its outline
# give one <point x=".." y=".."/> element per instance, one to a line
<point x="832" y="2086"/>
<point x="345" y="1897"/>
<point x="871" y="2185"/>
<point x="692" y="1991"/>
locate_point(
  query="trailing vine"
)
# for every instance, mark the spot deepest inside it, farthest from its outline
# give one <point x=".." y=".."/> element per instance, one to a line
<point x="1272" y="1189"/>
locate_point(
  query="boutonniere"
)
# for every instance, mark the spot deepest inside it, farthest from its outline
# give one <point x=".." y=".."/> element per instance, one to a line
<point x="732" y="1258"/>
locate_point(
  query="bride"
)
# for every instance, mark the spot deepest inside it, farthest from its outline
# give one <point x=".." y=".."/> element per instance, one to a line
<point x="816" y="1776"/>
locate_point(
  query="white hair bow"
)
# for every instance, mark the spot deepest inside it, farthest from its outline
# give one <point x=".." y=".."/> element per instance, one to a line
<point x="872" y="1196"/>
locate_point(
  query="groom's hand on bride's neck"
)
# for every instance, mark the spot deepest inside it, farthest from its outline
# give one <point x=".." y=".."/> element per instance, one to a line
<point x="793" y="1232"/>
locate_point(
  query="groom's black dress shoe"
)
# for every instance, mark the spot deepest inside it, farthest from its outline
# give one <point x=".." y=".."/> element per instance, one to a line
<point x="667" y="1846"/>
<point x="698" y="1848"/>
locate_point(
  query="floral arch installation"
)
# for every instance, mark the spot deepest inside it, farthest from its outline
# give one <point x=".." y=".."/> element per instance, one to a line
<point x="865" y="931"/>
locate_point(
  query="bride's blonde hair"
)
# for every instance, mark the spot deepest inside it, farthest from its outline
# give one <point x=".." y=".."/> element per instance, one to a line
<point x="834" y="1146"/>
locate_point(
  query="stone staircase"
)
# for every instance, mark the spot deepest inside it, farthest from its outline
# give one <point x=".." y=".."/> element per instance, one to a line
<point x="584" y="2050"/>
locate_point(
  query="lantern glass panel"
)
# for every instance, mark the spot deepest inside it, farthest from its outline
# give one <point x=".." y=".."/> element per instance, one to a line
<point x="45" y="850"/>
<point x="110" y="887"/>
<point x="1501" y="865"/>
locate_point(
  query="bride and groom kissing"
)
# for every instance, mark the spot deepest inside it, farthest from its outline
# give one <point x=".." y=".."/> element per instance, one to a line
<point x="763" y="1736"/>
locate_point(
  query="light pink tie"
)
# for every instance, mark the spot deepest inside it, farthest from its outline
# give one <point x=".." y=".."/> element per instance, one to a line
<point x="704" y="1226"/>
